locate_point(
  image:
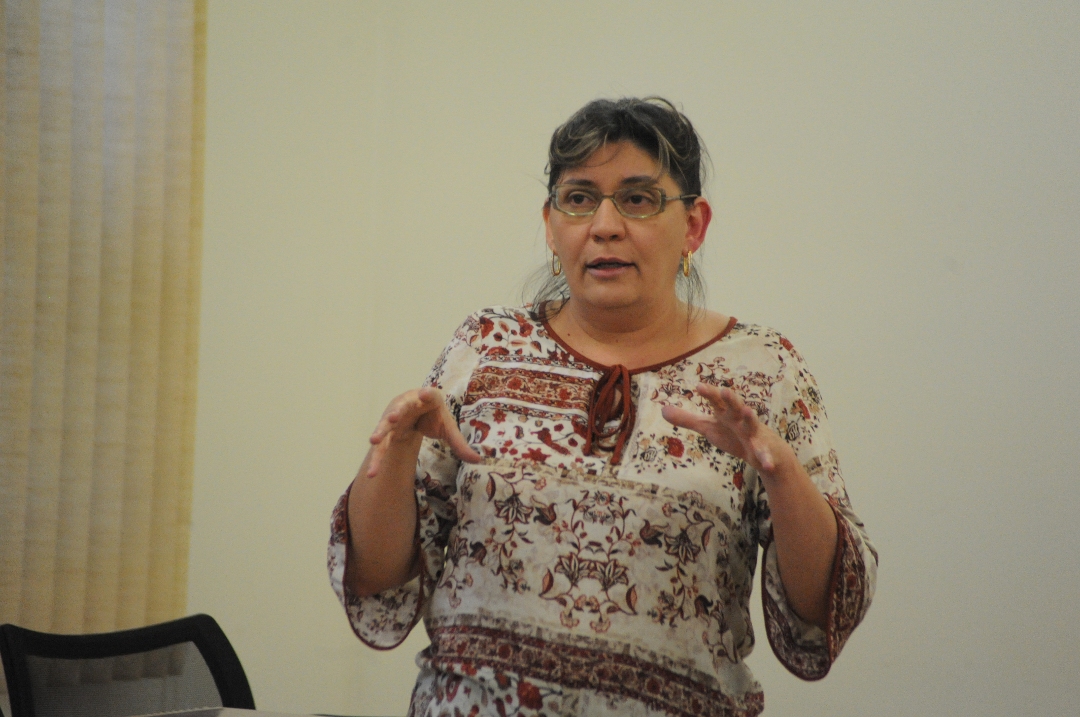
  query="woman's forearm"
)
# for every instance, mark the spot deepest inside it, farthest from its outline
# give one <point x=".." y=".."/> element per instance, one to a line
<point x="382" y="502"/>
<point x="382" y="521"/>
<point x="805" y="534"/>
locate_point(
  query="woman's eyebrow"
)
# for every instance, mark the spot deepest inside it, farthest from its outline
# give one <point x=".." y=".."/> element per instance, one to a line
<point x="636" y="179"/>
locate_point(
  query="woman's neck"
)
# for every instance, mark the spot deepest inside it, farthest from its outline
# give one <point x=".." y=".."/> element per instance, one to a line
<point x="632" y="336"/>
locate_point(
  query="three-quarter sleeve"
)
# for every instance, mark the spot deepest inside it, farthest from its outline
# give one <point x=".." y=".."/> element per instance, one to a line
<point x="384" y="620"/>
<point x="807" y="651"/>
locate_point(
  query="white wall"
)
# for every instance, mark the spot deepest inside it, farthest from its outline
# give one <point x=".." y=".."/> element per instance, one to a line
<point x="896" y="189"/>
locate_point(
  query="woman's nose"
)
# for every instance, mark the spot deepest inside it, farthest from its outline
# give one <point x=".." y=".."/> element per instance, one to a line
<point x="607" y="222"/>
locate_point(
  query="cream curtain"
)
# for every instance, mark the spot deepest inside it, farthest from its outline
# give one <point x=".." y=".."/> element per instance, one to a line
<point x="100" y="210"/>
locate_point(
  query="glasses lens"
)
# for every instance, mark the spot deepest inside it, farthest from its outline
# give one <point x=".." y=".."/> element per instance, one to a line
<point x="575" y="200"/>
<point x="639" y="201"/>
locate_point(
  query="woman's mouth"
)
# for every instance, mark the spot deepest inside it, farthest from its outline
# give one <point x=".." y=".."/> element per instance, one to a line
<point x="608" y="269"/>
<point x="603" y="264"/>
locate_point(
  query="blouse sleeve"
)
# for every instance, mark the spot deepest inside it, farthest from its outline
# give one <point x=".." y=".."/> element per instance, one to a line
<point x="807" y="651"/>
<point x="384" y="620"/>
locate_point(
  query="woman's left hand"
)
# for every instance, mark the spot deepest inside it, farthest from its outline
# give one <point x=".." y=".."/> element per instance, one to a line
<point x="734" y="428"/>
<point x="804" y="526"/>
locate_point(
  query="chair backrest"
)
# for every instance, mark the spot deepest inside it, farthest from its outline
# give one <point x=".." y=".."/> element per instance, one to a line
<point x="183" y="664"/>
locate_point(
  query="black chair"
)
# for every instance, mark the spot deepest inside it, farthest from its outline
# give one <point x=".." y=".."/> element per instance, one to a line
<point x="183" y="664"/>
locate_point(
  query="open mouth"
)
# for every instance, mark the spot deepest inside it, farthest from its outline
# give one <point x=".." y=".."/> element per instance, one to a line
<point x="607" y="264"/>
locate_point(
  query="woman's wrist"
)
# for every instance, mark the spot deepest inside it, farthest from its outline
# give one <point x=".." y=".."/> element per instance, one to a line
<point x="786" y="468"/>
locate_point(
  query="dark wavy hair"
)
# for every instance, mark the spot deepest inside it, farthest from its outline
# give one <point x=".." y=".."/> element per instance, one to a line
<point x="655" y="126"/>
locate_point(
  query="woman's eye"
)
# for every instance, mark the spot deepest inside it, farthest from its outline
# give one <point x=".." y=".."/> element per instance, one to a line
<point x="579" y="198"/>
<point x="642" y="199"/>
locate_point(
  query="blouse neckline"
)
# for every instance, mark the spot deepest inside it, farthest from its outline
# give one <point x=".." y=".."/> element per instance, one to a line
<point x="644" y="369"/>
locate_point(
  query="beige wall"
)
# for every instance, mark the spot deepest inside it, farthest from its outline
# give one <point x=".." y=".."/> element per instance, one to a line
<point x="896" y="189"/>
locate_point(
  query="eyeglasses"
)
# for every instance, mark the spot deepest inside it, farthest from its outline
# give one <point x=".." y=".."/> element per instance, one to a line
<point x="631" y="202"/>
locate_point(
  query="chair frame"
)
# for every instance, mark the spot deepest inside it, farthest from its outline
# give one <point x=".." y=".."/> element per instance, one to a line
<point x="16" y="643"/>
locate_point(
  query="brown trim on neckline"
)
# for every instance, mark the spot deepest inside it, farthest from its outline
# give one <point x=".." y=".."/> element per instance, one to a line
<point x="652" y="367"/>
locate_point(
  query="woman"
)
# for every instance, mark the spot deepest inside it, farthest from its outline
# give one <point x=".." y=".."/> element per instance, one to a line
<point x="574" y="501"/>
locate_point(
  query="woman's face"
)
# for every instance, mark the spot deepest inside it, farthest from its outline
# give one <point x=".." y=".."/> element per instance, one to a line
<point x="616" y="262"/>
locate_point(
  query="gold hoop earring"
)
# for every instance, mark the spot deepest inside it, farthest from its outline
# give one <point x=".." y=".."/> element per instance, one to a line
<point x="556" y="265"/>
<point x="686" y="263"/>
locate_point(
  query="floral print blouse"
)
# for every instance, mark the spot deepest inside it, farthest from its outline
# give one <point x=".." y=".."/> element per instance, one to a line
<point x="600" y="560"/>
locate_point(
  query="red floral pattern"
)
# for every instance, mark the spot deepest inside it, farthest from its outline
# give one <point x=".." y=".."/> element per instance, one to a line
<point x="554" y="669"/>
<point x="557" y="581"/>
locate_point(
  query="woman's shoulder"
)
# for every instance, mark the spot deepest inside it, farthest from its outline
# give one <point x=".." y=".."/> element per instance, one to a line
<point x="491" y="332"/>
<point x="750" y="343"/>
<point x="767" y="337"/>
<point x="499" y="329"/>
<point x="496" y="313"/>
<point x="499" y="319"/>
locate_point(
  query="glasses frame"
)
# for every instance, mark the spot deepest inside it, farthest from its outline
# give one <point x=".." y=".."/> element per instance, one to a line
<point x="664" y="199"/>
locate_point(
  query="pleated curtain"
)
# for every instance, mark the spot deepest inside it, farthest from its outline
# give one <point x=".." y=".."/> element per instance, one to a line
<point x="100" y="210"/>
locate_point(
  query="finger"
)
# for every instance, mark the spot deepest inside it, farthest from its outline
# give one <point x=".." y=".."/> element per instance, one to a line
<point x="390" y="417"/>
<point x="732" y="410"/>
<point x="429" y="397"/>
<point x="725" y="402"/>
<point x="725" y="405"/>
<point x="385" y="425"/>
<point x="682" y="418"/>
<point x="754" y="434"/>
<point x="747" y="417"/>
<point x="712" y="393"/>
<point x="453" y="436"/>
<point x="438" y="422"/>
<point x="406" y="411"/>
<point x="461" y="448"/>
<point x="375" y="460"/>
<point x="734" y="403"/>
<point x="734" y="415"/>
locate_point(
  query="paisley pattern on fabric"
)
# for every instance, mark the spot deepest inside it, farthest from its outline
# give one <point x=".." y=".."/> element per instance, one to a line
<point x="567" y="577"/>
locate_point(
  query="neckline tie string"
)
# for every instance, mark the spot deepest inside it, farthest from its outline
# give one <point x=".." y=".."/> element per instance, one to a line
<point x="610" y="401"/>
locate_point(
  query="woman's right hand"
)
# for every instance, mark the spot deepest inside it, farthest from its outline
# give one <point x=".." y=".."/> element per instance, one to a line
<point x="412" y="416"/>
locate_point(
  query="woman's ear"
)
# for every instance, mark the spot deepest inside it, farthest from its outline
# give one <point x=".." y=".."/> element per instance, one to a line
<point x="697" y="223"/>
<point x="547" y="226"/>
